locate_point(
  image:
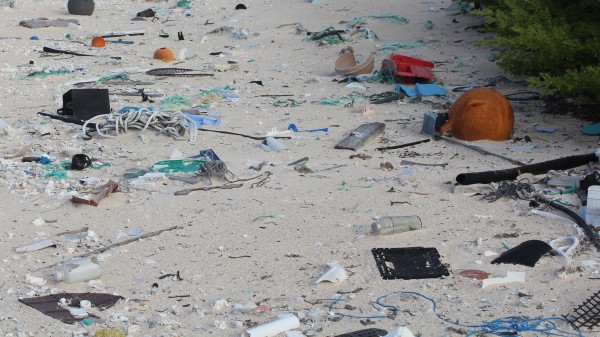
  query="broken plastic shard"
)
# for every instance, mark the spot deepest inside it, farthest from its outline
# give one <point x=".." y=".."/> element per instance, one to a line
<point x="400" y="332"/>
<point x="35" y="246"/>
<point x="511" y="276"/>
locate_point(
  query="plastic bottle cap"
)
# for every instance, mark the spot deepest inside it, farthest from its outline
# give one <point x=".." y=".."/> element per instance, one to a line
<point x="85" y="304"/>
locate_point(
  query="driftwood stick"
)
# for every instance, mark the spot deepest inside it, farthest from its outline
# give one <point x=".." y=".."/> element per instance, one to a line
<point x="207" y="188"/>
<point x="117" y="244"/>
<point x="128" y="241"/>
<point x="74" y="231"/>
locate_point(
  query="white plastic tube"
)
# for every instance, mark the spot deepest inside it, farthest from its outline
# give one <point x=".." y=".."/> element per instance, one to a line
<point x="283" y="323"/>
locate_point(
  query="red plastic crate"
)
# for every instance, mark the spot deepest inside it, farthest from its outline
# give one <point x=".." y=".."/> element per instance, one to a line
<point x="407" y="69"/>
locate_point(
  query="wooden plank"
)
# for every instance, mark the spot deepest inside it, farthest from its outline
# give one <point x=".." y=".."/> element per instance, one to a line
<point x="361" y="136"/>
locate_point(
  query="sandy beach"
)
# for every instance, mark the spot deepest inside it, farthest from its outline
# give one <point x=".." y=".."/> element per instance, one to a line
<point x="230" y="259"/>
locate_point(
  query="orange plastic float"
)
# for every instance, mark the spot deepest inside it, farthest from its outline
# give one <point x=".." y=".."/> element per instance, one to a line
<point x="164" y="54"/>
<point x="98" y="42"/>
<point x="480" y="113"/>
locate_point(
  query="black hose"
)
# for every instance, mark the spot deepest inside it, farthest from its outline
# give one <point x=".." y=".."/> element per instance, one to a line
<point x="511" y="174"/>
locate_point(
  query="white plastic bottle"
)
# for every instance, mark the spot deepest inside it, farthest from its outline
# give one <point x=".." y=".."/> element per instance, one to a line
<point x="78" y="269"/>
<point x="396" y="224"/>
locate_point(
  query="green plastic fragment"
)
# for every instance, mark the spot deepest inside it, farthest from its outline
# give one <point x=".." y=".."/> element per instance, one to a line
<point x="100" y="166"/>
<point x="178" y="165"/>
<point x="184" y="4"/>
<point x="264" y="217"/>
<point x="299" y="161"/>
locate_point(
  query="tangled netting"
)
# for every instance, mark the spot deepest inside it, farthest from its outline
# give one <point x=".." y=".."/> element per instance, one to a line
<point x="512" y="189"/>
<point x="175" y="124"/>
<point x="217" y="168"/>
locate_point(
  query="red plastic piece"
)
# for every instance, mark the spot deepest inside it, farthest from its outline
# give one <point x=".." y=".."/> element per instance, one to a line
<point x="407" y="69"/>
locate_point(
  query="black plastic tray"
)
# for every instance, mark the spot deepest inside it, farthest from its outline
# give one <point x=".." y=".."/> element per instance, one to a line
<point x="409" y="263"/>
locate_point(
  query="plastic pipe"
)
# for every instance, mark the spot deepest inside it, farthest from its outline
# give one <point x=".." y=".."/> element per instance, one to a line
<point x="511" y="174"/>
<point x="283" y="323"/>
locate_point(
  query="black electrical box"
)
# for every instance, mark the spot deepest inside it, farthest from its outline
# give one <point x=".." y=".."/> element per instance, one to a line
<point x="83" y="104"/>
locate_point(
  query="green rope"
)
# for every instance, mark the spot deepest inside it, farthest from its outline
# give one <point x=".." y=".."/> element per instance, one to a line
<point x="174" y="101"/>
<point x="390" y="17"/>
<point x="390" y="47"/>
<point x="39" y="74"/>
<point x="120" y="76"/>
<point x="356" y="21"/>
<point x="385" y="74"/>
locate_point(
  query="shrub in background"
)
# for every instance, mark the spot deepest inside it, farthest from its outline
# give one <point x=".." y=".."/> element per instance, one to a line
<point x="554" y="42"/>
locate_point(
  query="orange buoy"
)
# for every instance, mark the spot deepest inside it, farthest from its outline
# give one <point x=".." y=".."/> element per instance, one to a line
<point x="164" y="54"/>
<point x="98" y="42"/>
<point x="480" y="113"/>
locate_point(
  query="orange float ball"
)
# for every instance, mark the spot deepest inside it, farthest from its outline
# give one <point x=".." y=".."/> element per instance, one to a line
<point x="98" y="42"/>
<point x="164" y="54"/>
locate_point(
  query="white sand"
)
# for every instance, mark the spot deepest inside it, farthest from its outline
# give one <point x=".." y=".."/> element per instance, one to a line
<point x="268" y="245"/>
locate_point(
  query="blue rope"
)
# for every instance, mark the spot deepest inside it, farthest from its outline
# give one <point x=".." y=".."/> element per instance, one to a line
<point x="497" y="327"/>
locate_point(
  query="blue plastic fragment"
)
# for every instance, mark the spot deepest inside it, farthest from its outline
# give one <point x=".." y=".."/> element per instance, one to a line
<point x="294" y="128"/>
<point x="427" y="89"/>
<point x="227" y="95"/>
<point x="543" y="128"/>
<point x="592" y="129"/>
<point x="203" y="120"/>
<point x="134" y="232"/>
<point x="45" y="160"/>
<point x="210" y="154"/>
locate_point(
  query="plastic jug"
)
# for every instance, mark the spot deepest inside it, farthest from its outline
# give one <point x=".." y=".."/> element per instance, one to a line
<point x="79" y="269"/>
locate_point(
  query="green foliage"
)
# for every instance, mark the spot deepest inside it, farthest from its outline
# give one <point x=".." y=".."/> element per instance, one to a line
<point x="555" y="42"/>
<point x="584" y="81"/>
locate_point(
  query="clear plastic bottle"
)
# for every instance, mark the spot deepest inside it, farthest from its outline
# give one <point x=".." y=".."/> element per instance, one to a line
<point x="396" y="224"/>
<point x="79" y="269"/>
